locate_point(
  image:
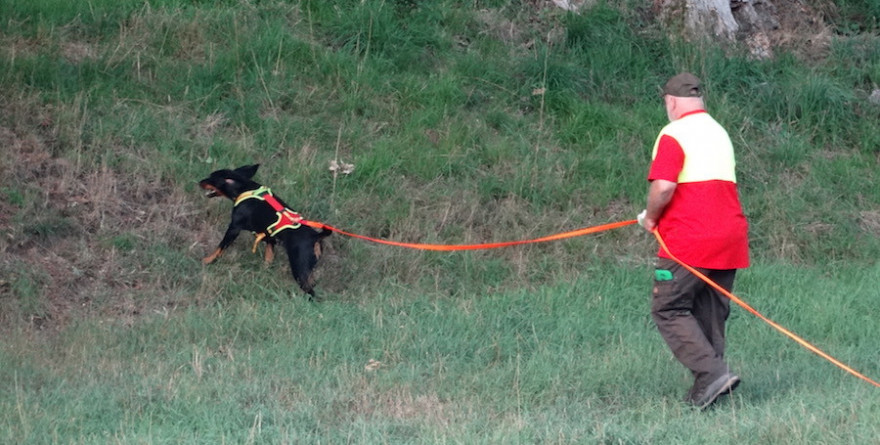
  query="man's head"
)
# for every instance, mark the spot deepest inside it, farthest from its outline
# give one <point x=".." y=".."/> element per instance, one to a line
<point x="682" y="93"/>
<point x="683" y="85"/>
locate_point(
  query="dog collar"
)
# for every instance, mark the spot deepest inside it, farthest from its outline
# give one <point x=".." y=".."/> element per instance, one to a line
<point x="287" y="218"/>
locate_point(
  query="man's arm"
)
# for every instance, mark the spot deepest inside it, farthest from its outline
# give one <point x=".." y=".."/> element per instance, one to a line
<point x="659" y="194"/>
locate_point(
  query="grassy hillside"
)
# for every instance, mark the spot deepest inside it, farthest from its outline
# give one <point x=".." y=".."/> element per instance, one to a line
<point x="465" y="122"/>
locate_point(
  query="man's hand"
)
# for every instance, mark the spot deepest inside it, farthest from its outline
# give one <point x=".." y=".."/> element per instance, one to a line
<point x="648" y="223"/>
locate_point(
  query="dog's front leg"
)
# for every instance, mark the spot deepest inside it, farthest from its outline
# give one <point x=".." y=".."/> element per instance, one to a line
<point x="230" y="236"/>
<point x="213" y="256"/>
<point x="270" y="246"/>
<point x="270" y="252"/>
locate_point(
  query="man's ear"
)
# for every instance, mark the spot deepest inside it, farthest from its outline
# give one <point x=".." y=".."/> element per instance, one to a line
<point x="248" y="171"/>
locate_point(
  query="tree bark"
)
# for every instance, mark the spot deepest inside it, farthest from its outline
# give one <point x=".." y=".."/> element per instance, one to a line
<point x="747" y="21"/>
<point x="699" y="19"/>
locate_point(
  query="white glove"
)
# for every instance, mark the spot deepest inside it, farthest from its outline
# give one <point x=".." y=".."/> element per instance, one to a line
<point x="641" y="217"/>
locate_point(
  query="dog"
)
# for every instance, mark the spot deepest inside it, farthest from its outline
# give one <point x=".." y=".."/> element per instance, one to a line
<point x="256" y="209"/>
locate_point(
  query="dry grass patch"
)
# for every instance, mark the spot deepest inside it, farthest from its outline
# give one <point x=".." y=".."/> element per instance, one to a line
<point x="73" y="235"/>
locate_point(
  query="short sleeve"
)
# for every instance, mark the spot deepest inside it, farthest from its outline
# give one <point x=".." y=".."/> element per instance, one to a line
<point x="668" y="161"/>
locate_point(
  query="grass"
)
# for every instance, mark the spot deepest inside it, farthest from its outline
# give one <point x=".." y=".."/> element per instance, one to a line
<point x="576" y="362"/>
<point x="465" y="123"/>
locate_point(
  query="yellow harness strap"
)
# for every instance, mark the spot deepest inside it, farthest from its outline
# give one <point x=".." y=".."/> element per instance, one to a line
<point x="287" y="219"/>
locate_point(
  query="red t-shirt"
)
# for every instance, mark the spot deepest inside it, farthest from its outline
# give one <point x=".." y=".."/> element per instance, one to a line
<point x="703" y="225"/>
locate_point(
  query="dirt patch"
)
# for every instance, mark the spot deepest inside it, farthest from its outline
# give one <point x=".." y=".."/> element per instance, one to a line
<point x="802" y="29"/>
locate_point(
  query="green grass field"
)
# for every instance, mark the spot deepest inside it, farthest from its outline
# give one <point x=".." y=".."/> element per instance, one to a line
<point x="465" y="122"/>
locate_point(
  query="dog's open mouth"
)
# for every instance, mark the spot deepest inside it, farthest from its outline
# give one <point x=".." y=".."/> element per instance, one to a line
<point x="210" y="190"/>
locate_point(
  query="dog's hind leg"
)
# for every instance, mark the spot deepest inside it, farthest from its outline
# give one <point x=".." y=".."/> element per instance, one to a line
<point x="302" y="263"/>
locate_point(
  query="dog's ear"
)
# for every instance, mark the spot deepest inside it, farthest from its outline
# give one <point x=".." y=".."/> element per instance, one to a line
<point x="248" y="171"/>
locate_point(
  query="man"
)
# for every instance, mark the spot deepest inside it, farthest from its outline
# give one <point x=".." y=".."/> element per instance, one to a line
<point x="693" y="203"/>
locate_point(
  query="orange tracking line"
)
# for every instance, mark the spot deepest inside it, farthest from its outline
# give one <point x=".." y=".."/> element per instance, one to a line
<point x="452" y="247"/>
<point x="595" y="229"/>
<point x="776" y="326"/>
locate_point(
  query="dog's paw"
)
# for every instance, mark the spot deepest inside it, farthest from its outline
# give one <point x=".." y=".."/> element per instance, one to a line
<point x="212" y="257"/>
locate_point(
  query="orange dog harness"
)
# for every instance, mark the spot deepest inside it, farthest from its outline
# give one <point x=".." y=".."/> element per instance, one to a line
<point x="287" y="219"/>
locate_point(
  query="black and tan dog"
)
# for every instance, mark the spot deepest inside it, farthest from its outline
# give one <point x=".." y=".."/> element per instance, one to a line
<point x="256" y="209"/>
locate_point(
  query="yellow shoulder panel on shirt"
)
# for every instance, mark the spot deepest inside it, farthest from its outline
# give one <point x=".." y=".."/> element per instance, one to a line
<point x="708" y="152"/>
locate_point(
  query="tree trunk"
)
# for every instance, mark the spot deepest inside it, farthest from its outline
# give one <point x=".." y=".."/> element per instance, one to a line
<point x="758" y="24"/>
<point x="700" y="19"/>
<point x="747" y="21"/>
